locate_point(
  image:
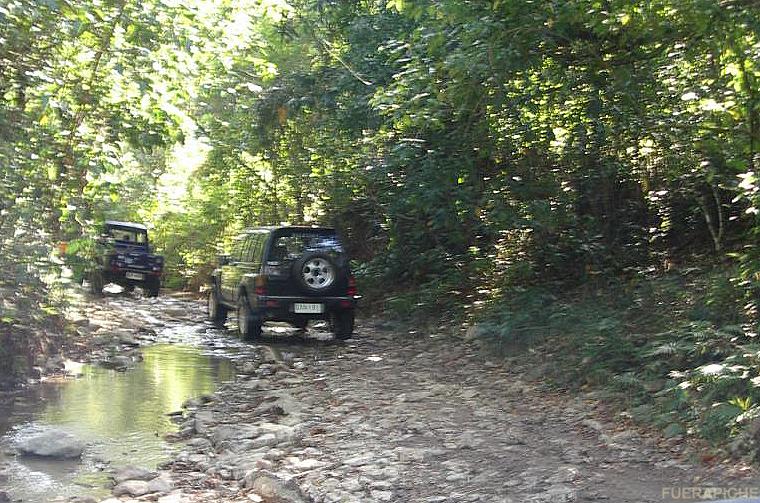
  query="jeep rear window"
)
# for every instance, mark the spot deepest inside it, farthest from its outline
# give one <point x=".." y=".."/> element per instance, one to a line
<point x="295" y="244"/>
<point x="128" y="235"/>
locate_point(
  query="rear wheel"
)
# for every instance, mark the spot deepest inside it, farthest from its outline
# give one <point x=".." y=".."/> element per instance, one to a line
<point x="342" y="324"/>
<point x="97" y="283"/>
<point x="152" y="287"/>
<point x="216" y="311"/>
<point x="249" y="325"/>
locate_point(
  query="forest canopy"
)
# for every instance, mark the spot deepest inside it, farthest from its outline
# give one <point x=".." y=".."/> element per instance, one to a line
<point x="456" y="143"/>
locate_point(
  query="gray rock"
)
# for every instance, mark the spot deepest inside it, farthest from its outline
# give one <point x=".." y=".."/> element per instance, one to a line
<point x="127" y="338"/>
<point x="52" y="443"/>
<point x="83" y="499"/>
<point x="132" y="488"/>
<point x="273" y="489"/>
<point x="203" y="420"/>
<point x="118" y="363"/>
<point x="382" y="495"/>
<point x="133" y="473"/>
<point x="249" y="368"/>
<point x="162" y="484"/>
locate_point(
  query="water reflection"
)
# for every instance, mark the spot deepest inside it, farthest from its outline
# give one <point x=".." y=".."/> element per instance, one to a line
<point x="121" y="415"/>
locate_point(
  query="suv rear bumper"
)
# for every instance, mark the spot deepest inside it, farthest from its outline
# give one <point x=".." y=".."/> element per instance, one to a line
<point x="129" y="275"/>
<point x="282" y="308"/>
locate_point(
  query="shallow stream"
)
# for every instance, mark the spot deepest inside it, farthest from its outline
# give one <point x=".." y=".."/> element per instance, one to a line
<point x="122" y="416"/>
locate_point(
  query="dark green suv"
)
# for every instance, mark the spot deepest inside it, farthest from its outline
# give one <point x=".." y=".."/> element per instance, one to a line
<point x="291" y="274"/>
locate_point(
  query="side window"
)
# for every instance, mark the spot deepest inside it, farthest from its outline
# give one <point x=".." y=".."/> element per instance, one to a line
<point x="245" y="255"/>
<point x="257" y="247"/>
<point x="237" y="250"/>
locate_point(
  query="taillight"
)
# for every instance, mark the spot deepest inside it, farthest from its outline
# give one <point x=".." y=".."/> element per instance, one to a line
<point x="351" y="291"/>
<point x="260" y="284"/>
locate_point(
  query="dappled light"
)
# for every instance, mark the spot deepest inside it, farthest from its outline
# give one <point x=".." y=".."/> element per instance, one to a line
<point x="571" y="187"/>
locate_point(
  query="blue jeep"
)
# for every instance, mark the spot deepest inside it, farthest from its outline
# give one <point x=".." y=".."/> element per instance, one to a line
<point x="124" y="258"/>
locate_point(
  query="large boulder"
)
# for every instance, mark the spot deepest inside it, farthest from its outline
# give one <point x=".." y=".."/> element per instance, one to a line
<point x="133" y="473"/>
<point x="132" y="488"/>
<point x="53" y="444"/>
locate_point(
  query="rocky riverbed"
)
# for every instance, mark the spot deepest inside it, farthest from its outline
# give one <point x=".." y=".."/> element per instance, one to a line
<point x="394" y="415"/>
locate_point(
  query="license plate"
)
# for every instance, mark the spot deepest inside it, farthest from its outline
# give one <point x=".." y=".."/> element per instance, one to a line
<point x="135" y="275"/>
<point x="308" y="308"/>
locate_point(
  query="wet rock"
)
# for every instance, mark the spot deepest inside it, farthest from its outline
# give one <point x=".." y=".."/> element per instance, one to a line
<point x="132" y="488"/>
<point x="203" y="421"/>
<point x="133" y="473"/>
<point x="54" y="364"/>
<point x="120" y="363"/>
<point x="249" y="368"/>
<point x="127" y="338"/>
<point x="52" y="443"/>
<point x="162" y="484"/>
<point x="273" y="489"/>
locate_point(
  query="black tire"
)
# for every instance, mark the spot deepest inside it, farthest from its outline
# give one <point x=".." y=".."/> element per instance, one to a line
<point x="342" y="324"/>
<point x="248" y="324"/>
<point x="129" y="288"/>
<point x="311" y="283"/>
<point x="217" y="312"/>
<point x="97" y="283"/>
<point x="152" y="287"/>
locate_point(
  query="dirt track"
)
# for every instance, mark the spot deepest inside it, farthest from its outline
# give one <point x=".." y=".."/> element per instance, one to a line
<point x="391" y="415"/>
<point x="395" y="416"/>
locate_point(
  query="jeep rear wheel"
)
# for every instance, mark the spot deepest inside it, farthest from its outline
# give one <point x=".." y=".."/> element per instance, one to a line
<point x="97" y="283"/>
<point x="249" y="325"/>
<point x="152" y="287"/>
<point x="342" y="324"/>
<point x="216" y="311"/>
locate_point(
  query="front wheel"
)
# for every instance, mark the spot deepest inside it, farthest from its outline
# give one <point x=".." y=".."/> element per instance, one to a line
<point x="217" y="313"/>
<point x="343" y="324"/>
<point x="249" y="325"/>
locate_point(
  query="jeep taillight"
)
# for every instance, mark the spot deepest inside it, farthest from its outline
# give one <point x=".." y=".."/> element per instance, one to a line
<point x="260" y="284"/>
<point x="351" y="291"/>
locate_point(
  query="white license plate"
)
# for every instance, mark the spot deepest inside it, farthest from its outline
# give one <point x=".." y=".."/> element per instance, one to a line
<point x="135" y="275"/>
<point x="308" y="308"/>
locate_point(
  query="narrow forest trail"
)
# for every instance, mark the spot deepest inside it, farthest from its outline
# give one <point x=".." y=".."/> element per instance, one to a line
<point x="394" y="416"/>
<point x="420" y="418"/>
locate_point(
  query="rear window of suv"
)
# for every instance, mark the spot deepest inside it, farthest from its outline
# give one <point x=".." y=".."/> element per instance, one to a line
<point x="294" y="244"/>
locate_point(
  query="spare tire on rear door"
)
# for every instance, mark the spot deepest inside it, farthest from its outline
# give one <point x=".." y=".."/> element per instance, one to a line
<point x="316" y="272"/>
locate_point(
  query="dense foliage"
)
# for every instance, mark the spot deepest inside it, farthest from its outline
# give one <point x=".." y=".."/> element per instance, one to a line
<point x="475" y="153"/>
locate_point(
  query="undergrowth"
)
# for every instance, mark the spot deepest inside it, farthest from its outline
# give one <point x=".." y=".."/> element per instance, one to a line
<point x="675" y="351"/>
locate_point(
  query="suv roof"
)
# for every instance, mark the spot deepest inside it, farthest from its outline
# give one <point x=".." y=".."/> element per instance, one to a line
<point x="273" y="228"/>
<point x="295" y="227"/>
<point x="128" y="225"/>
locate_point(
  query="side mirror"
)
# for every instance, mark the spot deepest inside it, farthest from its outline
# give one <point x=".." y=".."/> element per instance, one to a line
<point x="224" y="259"/>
